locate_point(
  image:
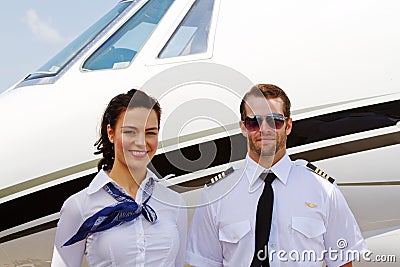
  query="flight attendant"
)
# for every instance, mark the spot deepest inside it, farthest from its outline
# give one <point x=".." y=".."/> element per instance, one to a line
<point x="124" y="217"/>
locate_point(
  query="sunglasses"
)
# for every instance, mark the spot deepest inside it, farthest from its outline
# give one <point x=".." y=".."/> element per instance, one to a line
<point x="274" y="120"/>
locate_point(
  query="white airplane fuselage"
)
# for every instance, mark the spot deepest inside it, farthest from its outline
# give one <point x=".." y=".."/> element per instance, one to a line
<point x="337" y="61"/>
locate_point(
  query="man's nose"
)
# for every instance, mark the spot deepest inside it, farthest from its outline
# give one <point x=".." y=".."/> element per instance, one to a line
<point x="264" y="127"/>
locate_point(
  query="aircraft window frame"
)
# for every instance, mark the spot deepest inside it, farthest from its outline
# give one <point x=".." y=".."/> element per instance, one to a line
<point x="171" y="31"/>
<point x="194" y="31"/>
<point x="119" y="57"/>
<point x="49" y="78"/>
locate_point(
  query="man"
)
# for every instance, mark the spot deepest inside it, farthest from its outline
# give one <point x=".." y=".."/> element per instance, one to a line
<point x="272" y="211"/>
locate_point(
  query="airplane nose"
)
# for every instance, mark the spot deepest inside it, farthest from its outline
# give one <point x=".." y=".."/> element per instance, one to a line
<point x="43" y="133"/>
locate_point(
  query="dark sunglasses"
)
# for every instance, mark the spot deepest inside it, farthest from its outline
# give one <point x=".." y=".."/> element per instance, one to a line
<point x="274" y="120"/>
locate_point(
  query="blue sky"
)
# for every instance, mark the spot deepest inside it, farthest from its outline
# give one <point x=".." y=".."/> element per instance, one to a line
<point x="34" y="31"/>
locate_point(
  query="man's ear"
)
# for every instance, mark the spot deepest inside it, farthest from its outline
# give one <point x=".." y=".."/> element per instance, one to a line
<point x="110" y="133"/>
<point x="243" y="128"/>
<point x="289" y="124"/>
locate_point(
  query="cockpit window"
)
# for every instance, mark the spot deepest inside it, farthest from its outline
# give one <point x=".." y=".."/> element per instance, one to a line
<point x="119" y="50"/>
<point x="58" y="62"/>
<point x="191" y="37"/>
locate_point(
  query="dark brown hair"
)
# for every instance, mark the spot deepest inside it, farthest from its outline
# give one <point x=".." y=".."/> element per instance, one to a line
<point x="268" y="91"/>
<point x="132" y="99"/>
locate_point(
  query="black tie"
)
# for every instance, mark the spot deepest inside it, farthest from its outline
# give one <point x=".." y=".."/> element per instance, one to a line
<point x="263" y="222"/>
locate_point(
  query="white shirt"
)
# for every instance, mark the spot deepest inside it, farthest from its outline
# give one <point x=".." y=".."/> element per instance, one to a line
<point x="309" y="213"/>
<point x="135" y="243"/>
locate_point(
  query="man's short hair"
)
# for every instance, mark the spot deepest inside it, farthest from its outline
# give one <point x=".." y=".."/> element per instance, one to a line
<point x="268" y="91"/>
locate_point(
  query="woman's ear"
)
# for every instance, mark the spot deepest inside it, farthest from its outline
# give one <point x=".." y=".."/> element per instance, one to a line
<point x="110" y="133"/>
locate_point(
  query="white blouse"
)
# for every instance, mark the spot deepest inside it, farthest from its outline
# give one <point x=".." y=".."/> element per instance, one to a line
<point x="135" y="243"/>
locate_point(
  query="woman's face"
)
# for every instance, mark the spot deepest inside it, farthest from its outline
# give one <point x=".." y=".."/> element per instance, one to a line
<point x="135" y="138"/>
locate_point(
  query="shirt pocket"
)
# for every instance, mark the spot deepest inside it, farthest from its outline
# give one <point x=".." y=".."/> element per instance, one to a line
<point x="309" y="227"/>
<point x="232" y="233"/>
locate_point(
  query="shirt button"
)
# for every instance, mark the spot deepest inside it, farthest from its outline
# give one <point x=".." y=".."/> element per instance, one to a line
<point x="272" y="245"/>
<point x="141" y="250"/>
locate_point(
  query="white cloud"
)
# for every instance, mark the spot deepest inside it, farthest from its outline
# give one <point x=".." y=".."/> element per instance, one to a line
<point x="41" y="29"/>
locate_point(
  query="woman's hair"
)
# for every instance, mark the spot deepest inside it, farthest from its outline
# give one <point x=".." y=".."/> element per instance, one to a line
<point x="132" y="99"/>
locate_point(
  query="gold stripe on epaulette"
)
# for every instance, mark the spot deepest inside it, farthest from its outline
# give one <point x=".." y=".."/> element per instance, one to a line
<point x="320" y="172"/>
<point x="219" y="176"/>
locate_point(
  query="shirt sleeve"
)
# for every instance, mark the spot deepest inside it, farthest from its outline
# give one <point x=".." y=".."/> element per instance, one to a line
<point x="182" y="222"/>
<point x="69" y="223"/>
<point x="342" y="231"/>
<point x="203" y="247"/>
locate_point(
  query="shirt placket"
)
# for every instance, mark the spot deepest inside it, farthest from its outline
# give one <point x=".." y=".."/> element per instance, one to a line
<point x="140" y="241"/>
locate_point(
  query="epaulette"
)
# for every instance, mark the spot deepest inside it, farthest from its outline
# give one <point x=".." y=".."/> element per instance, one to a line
<point x="320" y="172"/>
<point x="219" y="176"/>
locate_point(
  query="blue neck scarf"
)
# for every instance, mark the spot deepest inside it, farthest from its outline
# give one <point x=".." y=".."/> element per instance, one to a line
<point x="124" y="211"/>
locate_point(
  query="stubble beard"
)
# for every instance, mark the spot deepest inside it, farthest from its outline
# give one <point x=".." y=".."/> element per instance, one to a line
<point x="268" y="150"/>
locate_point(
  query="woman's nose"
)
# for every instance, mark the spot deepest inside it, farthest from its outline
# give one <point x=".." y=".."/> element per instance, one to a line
<point x="140" y="140"/>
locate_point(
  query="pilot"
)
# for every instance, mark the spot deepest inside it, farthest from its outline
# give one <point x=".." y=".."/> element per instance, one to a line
<point x="272" y="211"/>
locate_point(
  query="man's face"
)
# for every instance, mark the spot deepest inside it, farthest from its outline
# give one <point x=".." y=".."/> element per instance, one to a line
<point x="267" y="141"/>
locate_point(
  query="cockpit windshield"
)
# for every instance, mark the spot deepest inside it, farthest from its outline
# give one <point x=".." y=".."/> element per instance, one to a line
<point x="52" y="67"/>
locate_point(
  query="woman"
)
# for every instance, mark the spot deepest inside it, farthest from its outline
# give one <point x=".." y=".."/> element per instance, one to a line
<point x="124" y="217"/>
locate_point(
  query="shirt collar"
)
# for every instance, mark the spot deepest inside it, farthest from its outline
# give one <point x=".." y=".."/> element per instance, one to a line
<point x="149" y="175"/>
<point x="102" y="178"/>
<point x="253" y="170"/>
<point x="281" y="170"/>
